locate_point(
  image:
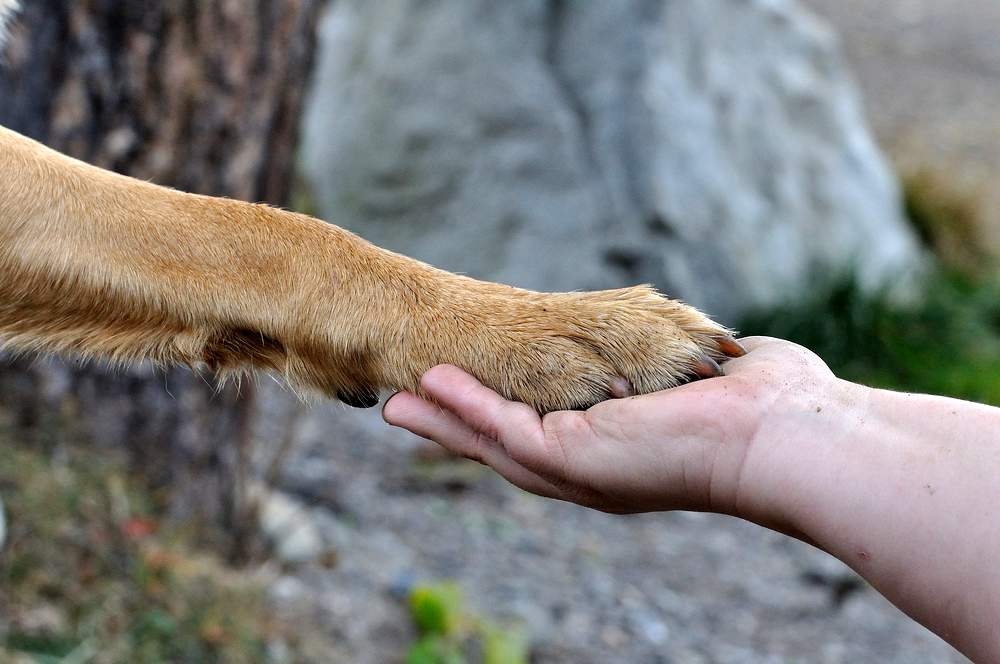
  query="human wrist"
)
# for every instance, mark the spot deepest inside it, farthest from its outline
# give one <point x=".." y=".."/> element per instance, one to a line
<point x="902" y="492"/>
<point x="800" y="445"/>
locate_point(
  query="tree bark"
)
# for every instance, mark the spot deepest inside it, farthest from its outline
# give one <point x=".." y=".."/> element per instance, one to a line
<point x="201" y="96"/>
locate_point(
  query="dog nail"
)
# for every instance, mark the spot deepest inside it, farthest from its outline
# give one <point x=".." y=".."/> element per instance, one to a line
<point x="365" y="399"/>
<point x="707" y="368"/>
<point x="731" y="347"/>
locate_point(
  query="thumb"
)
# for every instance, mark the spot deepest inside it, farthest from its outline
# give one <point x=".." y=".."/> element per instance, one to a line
<point x="516" y="426"/>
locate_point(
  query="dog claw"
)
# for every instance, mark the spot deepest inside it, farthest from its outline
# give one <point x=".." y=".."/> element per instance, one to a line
<point x="707" y="368"/>
<point x="731" y="347"/>
<point x="365" y="399"/>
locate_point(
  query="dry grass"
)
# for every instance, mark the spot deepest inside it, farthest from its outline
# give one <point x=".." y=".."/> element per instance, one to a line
<point x="89" y="575"/>
<point x="948" y="220"/>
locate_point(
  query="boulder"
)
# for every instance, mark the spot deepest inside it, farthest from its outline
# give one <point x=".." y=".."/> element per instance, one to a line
<point x="716" y="149"/>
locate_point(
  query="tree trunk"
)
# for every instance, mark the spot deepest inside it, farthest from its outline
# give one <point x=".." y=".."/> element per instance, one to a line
<point x="201" y="96"/>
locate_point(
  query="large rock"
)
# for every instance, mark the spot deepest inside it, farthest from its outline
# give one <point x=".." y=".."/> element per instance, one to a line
<point x="715" y="148"/>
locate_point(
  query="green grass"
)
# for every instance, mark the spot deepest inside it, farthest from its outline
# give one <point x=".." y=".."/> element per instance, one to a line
<point x="450" y="634"/>
<point x="946" y="220"/>
<point x="946" y="343"/>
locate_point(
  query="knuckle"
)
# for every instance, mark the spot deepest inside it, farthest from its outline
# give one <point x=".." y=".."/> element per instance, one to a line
<point x="476" y="451"/>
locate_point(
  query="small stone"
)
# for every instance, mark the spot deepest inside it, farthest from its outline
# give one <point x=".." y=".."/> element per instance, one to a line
<point x="288" y="526"/>
<point x="650" y="627"/>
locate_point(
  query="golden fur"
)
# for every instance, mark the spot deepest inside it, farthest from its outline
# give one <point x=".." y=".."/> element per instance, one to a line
<point x="101" y="265"/>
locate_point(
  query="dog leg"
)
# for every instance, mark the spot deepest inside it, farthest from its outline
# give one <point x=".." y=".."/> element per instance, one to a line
<point x="101" y="265"/>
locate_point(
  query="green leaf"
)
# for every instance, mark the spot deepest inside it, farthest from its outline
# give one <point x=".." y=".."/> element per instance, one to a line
<point x="434" y="649"/>
<point x="505" y="646"/>
<point x="436" y="609"/>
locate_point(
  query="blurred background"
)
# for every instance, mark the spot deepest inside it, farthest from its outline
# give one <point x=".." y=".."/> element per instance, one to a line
<point x="815" y="170"/>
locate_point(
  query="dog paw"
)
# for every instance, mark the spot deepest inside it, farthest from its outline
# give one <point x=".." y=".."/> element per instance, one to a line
<point x="572" y="350"/>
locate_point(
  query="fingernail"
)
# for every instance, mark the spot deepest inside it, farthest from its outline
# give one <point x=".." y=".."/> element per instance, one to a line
<point x="386" y="405"/>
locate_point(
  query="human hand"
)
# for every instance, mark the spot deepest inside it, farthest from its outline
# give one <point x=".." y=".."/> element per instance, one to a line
<point x="875" y="478"/>
<point x="688" y="448"/>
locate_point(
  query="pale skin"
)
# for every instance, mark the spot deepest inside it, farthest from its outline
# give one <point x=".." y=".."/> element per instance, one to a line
<point x="903" y="488"/>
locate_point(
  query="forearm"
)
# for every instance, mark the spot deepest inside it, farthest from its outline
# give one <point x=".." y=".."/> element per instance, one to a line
<point x="99" y="264"/>
<point x="96" y="231"/>
<point x="102" y="265"/>
<point x="905" y="489"/>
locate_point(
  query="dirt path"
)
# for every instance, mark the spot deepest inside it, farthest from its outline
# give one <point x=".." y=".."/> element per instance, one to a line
<point x="930" y="72"/>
